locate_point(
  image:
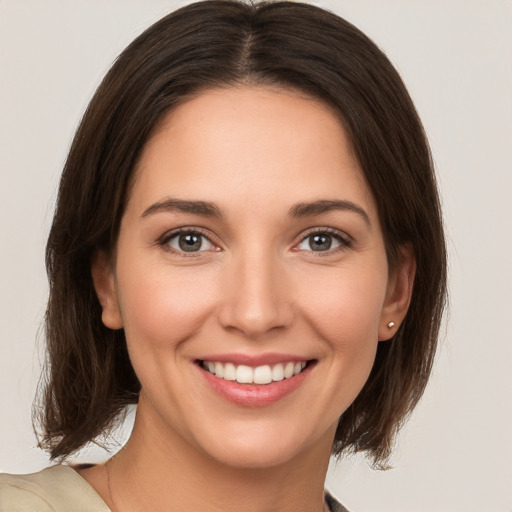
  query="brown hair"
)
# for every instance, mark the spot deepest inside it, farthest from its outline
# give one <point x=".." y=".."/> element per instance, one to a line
<point x="220" y="43"/>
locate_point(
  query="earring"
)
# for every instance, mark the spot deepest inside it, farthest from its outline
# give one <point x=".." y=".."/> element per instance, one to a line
<point x="391" y="325"/>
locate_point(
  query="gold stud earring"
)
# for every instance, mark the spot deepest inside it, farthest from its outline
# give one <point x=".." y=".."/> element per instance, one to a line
<point x="391" y="325"/>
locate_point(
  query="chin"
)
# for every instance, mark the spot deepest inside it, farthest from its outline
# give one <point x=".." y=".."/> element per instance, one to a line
<point x="261" y="447"/>
<point x="255" y="457"/>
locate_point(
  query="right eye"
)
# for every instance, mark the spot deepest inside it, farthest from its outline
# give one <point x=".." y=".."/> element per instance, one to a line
<point x="188" y="242"/>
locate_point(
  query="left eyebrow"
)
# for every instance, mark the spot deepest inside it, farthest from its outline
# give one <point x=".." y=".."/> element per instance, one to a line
<point x="324" y="206"/>
<point x="204" y="208"/>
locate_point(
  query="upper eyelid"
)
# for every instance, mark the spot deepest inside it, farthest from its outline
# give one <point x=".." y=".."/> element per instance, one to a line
<point x="331" y="231"/>
<point x="178" y="231"/>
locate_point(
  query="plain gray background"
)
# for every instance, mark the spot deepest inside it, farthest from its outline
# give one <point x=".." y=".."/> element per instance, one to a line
<point x="456" y="58"/>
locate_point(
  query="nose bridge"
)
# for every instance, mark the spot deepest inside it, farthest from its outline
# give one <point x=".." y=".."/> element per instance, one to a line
<point x="256" y="299"/>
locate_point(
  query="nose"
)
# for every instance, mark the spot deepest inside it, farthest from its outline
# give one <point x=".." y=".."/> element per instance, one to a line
<point x="257" y="297"/>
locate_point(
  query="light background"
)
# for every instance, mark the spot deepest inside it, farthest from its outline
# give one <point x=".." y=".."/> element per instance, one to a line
<point x="456" y="58"/>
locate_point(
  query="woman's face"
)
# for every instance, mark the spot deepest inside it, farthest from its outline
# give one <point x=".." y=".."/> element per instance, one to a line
<point x="250" y="249"/>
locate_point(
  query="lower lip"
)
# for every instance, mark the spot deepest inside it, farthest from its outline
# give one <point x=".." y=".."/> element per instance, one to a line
<point x="255" y="395"/>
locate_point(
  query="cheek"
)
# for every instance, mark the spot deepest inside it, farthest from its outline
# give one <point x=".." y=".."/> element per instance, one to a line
<point x="163" y="308"/>
<point x="344" y="311"/>
<point x="345" y="306"/>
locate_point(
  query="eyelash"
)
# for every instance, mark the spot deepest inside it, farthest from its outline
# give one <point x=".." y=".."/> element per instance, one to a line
<point x="344" y="240"/>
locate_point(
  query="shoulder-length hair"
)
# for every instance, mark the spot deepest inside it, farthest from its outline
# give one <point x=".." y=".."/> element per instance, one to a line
<point x="222" y="43"/>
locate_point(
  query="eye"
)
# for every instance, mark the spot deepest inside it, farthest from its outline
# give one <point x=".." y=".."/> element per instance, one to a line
<point x="188" y="242"/>
<point x="323" y="241"/>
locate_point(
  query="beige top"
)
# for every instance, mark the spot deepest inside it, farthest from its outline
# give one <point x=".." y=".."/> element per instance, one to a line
<point x="61" y="489"/>
<point x="55" y="489"/>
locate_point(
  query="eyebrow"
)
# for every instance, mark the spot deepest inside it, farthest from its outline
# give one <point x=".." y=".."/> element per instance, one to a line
<point x="325" y="206"/>
<point x="208" y="209"/>
<point x="204" y="208"/>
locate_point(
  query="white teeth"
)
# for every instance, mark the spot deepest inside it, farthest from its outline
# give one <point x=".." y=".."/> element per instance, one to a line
<point x="288" y="370"/>
<point x="244" y="374"/>
<point x="219" y="370"/>
<point x="229" y="371"/>
<point x="260" y="375"/>
<point x="278" y="372"/>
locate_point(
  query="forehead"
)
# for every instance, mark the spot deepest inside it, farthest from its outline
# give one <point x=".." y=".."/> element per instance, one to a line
<point x="246" y="145"/>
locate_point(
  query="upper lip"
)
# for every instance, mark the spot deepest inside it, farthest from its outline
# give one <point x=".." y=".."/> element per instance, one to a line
<point x="254" y="360"/>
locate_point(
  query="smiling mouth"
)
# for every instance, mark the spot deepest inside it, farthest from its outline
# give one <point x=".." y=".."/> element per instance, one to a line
<point x="261" y="375"/>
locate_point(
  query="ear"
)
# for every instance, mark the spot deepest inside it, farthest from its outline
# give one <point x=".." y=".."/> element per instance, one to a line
<point x="399" y="293"/>
<point x="104" y="281"/>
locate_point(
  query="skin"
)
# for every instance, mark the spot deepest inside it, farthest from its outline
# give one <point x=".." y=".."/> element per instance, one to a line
<point x="256" y="286"/>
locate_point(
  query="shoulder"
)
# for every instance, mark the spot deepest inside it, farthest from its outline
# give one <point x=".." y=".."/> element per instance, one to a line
<point x="55" y="489"/>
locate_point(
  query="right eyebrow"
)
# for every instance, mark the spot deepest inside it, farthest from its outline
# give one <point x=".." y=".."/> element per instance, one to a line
<point x="204" y="208"/>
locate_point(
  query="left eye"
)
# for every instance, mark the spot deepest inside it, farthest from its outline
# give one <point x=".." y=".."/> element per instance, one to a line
<point x="320" y="242"/>
<point x="189" y="242"/>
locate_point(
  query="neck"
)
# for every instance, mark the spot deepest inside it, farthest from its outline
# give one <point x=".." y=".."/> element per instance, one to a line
<point x="165" y="472"/>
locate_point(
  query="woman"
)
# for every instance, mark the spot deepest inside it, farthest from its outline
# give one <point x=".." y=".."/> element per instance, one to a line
<point x="247" y="244"/>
